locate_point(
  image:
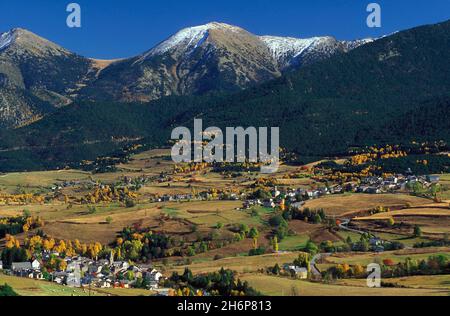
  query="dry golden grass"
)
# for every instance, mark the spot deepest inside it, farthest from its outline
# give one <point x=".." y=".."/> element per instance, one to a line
<point x="347" y="204"/>
<point x="418" y="282"/>
<point x="240" y="264"/>
<point x="85" y="233"/>
<point x="419" y="211"/>
<point x="30" y="287"/>
<point x="77" y="223"/>
<point x="103" y="63"/>
<point x="39" y="179"/>
<point x="209" y="213"/>
<point x="48" y="212"/>
<point x="125" y="292"/>
<point x="397" y="256"/>
<point x="278" y="286"/>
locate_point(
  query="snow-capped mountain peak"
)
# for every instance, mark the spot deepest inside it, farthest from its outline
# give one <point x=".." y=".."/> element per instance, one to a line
<point x="286" y="51"/>
<point x="350" y="45"/>
<point x="190" y="38"/>
<point x="289" y="51"/>
<point x="26" y="42"/>
<point x="282" y="46"/>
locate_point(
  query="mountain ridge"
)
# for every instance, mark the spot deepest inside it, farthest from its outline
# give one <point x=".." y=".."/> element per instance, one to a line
<point x="393" y="91"/>
<point x="195" y="60"/>
<point x="189" y="61"/>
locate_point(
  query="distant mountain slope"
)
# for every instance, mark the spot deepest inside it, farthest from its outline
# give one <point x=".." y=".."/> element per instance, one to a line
<point x="293" y="53"/>
<point x="33" y="66"/>
<point x="206" y="58"/>
<point x="343" y="100"/>
<point x="194" y="61"/>
<point x="395" y="89"/>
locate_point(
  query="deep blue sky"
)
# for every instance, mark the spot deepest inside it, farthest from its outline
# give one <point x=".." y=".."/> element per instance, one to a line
<point x="113" y="28"/>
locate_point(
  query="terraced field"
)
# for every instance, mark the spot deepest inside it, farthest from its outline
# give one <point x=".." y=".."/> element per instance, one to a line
<point x="350" y="204"/>
<point x="396" y="256"/>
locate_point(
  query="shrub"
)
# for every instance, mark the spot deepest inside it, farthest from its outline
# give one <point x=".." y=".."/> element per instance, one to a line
<point x="257" y="252"/>
<point x="6" y="290"/>
<point x="130" y="203"/>
<point x="388" y="262"/>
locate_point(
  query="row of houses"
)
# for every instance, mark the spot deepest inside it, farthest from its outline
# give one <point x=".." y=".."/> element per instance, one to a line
<point x="294" y="197"/>
<point x="377" y="185"/>
<point x="369" y="185"/>
<point x="85" y="272"/>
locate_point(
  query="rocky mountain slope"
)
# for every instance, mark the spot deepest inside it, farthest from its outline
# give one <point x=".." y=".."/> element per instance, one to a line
<point x="36" y="75"/>
<point x="210" y="57"/>
<point x="394" y="91"/>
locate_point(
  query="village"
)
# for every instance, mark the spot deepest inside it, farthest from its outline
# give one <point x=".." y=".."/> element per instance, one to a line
<point x="369" y="185"/>
<point x="153" y="228"/>
<point x="89" y="274"/>
<point x="80" y="272"/>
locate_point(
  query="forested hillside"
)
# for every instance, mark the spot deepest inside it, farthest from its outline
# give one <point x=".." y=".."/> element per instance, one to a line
<point x="395" y="89"/>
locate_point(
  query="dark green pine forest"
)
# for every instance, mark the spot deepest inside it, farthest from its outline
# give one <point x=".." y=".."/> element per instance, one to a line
<point x="394" y="90"/>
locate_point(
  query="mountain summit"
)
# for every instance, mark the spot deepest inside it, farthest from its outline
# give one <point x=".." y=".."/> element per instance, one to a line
<point x="190" y="38"/>
<point x="37" y="75"/>
<point x="211" y="57"/>
<point x="392" y="91"/>
<point x="19" y="41"/>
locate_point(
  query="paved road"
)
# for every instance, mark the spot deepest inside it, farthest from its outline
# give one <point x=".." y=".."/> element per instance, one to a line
<point x="344" y="225"/>
<point x="313" y="262"/>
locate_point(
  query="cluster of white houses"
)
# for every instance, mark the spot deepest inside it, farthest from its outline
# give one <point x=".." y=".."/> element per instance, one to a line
<point x="369" y="185"/>
<point x="377" y="185"/>
<point x="85" y="272"/>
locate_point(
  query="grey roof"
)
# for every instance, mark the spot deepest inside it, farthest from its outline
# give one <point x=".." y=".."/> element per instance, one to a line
<point x="21" y="265"/>
<point x="297" y="269"/>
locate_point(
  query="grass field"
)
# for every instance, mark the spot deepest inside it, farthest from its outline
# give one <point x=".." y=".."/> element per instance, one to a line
<point x="293" y="243"/>
<point x="30" y="287"/>
<point x="210" y="213"/>
<point x="31" y="181"/>
<point x="345" y="234"/>
<point x="445" y="187"/>
<point x="407" y="241"/>
<point x="418" y="211"/>
<point x="278" y="286"/>
<point x="188" y="220"/>
<point x="396" y="256"/>
<point x="241" y="264"/>
<point x="347" y="204"/>
<point x="418" y="282"/>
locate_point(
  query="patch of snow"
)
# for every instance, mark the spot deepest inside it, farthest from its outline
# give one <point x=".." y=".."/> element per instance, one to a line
<point x="350" y="45"/>
<point x="288" y="46"/>
<point x="284" y="49"/>
<point x="188" y="38"/>
<point x="6" y="39"/>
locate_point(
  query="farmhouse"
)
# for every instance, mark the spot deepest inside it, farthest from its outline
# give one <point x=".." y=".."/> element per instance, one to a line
<point x="269" y="203"/>
<point x="73" y="280"/>
<point x="153" y="277"/>
<point x="298" y="205"/>
<point x="21" y="266"/>
<point x="38" y="275"/>
<point x="35" y="265"/>
<point x="299" y="272"/>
